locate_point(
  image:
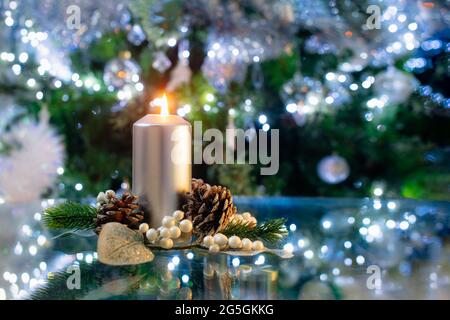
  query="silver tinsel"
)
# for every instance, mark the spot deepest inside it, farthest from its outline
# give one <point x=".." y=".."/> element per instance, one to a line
<point x="56" y="18"/>
<point x="396" y="86"/>
<point x="237" y="39"/>
<point x="223" y="64"/>
<point x="303" y="97"/>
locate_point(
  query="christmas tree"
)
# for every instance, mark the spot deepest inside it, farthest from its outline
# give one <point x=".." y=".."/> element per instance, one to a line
<point x="358" y="90"/>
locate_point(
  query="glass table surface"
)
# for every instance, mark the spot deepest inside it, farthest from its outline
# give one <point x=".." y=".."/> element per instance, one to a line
<point x="343" y="249"/>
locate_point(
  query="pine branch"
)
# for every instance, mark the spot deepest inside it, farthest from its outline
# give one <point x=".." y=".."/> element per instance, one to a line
<point x="70" y="216"/>
<point x="270" y="232"/>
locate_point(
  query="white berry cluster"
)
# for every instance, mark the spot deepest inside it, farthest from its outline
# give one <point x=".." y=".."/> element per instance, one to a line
<point x="172" y="228"/>
<point x="105" y="197"/>
<point x="221" y="242"/>
<point x="245" y="217"/>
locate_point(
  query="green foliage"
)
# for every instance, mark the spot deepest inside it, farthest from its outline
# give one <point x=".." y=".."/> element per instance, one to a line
<point x="273" y="184"/>
<point x="107" y="48"/>
<point x="271" y="231"/>
<point x="240" y="179"/>
<point x="158" y="29"/>
<point x="195" y="94"/>
<point x="70" y="216"/>
<point x="425" y="185"/>
<point x="278" y="71"/>
<point x="96" y="150"/>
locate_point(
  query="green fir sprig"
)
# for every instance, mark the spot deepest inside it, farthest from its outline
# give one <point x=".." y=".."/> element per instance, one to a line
<point x="270" y="232"/>
<point x="70" y="216"/>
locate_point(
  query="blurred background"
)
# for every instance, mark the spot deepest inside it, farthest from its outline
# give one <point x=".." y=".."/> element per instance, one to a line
<point x="358" y="89"/>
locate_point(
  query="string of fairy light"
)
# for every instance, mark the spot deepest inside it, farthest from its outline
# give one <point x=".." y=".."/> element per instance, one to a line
<point x="375" y="220"/>
<point x="32" y="243"/>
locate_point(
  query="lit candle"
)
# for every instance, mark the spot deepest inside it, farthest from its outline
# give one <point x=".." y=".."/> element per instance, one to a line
<point x="161" y="162"/>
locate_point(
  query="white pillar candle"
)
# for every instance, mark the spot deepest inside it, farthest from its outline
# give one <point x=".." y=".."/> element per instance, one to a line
<point x="161" y="162"/>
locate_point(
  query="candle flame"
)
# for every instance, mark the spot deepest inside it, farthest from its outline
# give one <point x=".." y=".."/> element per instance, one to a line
<point x="164" y="106"/>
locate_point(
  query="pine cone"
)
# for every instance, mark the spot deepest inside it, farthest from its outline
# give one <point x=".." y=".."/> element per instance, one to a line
<point x="124" y="210"/>
<point x="209" y="207"/>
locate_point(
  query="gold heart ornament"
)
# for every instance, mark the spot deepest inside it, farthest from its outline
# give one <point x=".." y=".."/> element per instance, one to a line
<point x="118" y="245"/>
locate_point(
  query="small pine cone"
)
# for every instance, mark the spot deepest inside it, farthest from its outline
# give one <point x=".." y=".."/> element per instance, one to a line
<point x="124" y="210"/>
<point x="210" y="208"/>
